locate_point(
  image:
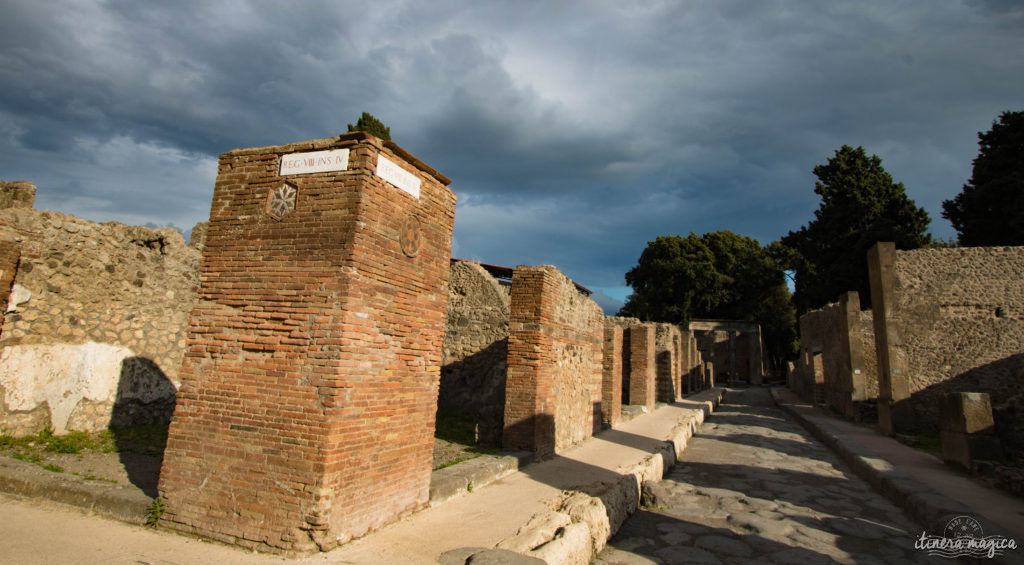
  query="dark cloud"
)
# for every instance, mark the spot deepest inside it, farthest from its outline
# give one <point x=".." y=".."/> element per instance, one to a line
<point x="574" y="132"/>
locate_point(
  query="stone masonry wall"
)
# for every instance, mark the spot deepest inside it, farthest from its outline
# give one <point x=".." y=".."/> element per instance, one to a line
<point x="308" y="393"/>
<point x="553" y="390"/>
<point x="953" y="321"/>
<point x="95" y="323"/>
<point x="475" y="352"/>
<point x="837" y="359"/>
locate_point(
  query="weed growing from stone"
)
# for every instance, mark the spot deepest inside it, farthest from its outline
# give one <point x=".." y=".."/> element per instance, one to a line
<point x="155" y="512"/>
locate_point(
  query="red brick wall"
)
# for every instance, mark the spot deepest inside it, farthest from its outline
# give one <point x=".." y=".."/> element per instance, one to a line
<point x="553" y="389"/>
<point x="611" y="384"/>
<point x="305" y="415"/>
<point x="642" y="365"/>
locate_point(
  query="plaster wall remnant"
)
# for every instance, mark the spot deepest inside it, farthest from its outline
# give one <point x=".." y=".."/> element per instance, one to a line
<point x="837" y="357"/>
<point x="475" y="352"/>
<point x="88" y="308"/>
<point x="945" y="320"/>
<point x="305" y="415"/>
<point x="553" y="390"/>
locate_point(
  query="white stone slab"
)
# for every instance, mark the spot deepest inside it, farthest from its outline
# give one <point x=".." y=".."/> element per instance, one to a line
<point x="396" y="175"/>
<point x="314" y="162"/>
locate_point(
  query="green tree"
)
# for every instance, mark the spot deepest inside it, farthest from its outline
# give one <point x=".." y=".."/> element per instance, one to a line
<point x="372" y="126"/>
<point x="717" y="275"/>
<point x="990" y="209"/>
<point x="860" y="206"/>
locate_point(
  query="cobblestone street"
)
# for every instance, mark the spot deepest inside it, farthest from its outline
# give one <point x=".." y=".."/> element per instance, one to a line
<point x="753" y="487"/>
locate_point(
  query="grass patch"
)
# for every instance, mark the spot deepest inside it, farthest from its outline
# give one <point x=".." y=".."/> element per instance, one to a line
<point x="456" y="427"/>
<point x="53" y="467"/>
<point x="930" y="442"/>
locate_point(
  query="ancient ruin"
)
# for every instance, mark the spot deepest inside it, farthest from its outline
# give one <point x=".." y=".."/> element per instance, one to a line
<point x="305" y="360"/>
<point x="308" y="388"/>
<point x="94" y="318"/>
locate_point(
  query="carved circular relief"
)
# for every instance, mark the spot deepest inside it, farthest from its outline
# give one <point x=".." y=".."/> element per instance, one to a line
<point x="281" y="201"/>
<point x="410" y="236"/>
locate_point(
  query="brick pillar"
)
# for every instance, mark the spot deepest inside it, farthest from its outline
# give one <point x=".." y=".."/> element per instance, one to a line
<point x="308" y="391"/>
<point x="642" y="365"/>
<point x="677" y="343"/>
<point x="611" y="384"/>
<point x="893" y="385"/>
<point x="756" y="357"/>
<point x="554" y="379"/>
<point x="665" y="361"/>
<point x="709" y="378"/>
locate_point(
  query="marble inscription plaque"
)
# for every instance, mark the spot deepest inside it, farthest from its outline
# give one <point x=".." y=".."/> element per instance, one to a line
<point x="401" y="178"/>
<point x="314" y="162"/>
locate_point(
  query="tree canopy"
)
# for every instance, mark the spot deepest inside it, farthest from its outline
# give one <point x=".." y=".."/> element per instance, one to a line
<point x="717" y="275"/>
<point x="990" y="208"/>
<point x="860" y="205"/>
<point x="372" y="126"/>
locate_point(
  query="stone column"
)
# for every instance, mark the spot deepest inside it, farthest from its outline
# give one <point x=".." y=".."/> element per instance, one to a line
<point x="968" y="430"/>
<point x="893" y="385"/>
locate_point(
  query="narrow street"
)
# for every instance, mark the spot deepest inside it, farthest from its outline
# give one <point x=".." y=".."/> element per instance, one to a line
<point x="753" y="486"/>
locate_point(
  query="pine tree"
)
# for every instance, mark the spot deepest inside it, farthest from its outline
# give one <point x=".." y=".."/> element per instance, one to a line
<point x="990" y="209"/>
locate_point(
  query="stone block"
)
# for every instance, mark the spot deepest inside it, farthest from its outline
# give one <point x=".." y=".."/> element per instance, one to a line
<point x="967" y="412"/>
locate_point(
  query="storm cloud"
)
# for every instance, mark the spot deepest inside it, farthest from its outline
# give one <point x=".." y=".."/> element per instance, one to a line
<point x="574" y="132"/>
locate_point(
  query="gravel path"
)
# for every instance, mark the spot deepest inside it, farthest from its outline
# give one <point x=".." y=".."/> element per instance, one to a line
<point x="754" y="487"/>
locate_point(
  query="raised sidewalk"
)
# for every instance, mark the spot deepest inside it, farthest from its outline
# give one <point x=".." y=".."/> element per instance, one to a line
<point x="929" y="491"/>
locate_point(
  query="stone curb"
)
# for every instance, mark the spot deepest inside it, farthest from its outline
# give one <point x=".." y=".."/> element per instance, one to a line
<point x="27" y="480"/>
<point x="925" y="505"/>
<point x="458" y="479"/>
<point x="582" y="523"/>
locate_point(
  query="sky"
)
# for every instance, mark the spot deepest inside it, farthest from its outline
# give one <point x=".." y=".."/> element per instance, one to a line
<point x="574" y="131"/>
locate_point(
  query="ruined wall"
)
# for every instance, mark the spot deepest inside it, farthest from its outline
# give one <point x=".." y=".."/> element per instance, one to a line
<point x="95" y="324"/>
<point x="819" y="336"/>
<point x="734" y="348"/>
<point x="475" y="349"/>
<point x="17" y="194"/>
<point x="837" y="363"/>
<point x="951" y="320"/>
<point x="611" y="374"/>
<point x="642" y="365"/>
<point x="553" y="390"/>
<point x="308" y="393"/>
<point x="667" y="344"/>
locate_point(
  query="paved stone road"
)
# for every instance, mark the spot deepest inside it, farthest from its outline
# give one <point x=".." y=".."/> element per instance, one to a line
<point x="754" y="487"/>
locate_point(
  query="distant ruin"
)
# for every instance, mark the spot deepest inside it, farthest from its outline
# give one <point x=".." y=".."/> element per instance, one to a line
<point x="943" y="321"/>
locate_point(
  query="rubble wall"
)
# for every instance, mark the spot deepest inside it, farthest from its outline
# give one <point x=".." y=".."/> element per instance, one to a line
<point x="95" y="321"/>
